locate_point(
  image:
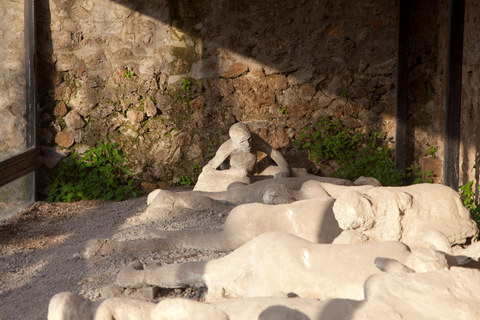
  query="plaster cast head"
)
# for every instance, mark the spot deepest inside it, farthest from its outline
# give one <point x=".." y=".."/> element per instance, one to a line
<point x="278" y="194"/>
<point x="69" y="305"/>
<point x="354" y="211"/>
<point x="241" y="137"/>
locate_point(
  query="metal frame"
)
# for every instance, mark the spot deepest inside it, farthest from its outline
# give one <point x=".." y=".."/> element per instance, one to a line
<point x="454" y="94"/>
<point x="402" y="85"/>
<point x="21" y="164"/>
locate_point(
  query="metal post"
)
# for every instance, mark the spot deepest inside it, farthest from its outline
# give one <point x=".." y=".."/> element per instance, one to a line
<point x="454" y="92"/>
<point x="402" y="85"/>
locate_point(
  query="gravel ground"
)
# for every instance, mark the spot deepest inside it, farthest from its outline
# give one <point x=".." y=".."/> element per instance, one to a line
<point x="38" y="253"/>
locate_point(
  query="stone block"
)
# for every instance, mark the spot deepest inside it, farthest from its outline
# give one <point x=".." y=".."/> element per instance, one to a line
<point x="74" y="121"/>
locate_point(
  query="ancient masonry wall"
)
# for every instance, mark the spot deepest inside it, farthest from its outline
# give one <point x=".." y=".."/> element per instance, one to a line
<point x="166" y="79"/>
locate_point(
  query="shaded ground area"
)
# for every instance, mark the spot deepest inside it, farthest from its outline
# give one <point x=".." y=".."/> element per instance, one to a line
<point x="38" y="246"/>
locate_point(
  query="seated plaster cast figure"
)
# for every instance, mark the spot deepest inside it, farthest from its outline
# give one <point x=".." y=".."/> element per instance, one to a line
<point x="280" y="262"/>
<point x="311" y="219"/>
<point x="415" y="215"/>
<point x="438" y="294"/>
<point x="241" y="151"/>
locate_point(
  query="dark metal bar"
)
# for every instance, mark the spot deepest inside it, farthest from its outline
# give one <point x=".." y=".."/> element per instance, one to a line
<point x="402" y="85"/>
<point x="30" y="73"/>
<point x="17" y="166"/>
<point x="454" y="94"/>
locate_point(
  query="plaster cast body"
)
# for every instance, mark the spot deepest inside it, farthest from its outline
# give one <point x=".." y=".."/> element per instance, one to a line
<point x="279" y="262"/>
<point x="311" y="219"/>
<point x="241" y="151"/>
<point x="408" y="214"/>
<point x="165" y="204"/>
<point x="437" y="294"/>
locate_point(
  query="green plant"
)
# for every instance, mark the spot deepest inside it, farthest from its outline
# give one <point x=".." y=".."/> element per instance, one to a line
<point x="432" y="152"/>
<point x="129" y="74"/>
<point x="355" y="153"/>
<point x="283" y="110"/>
<point x="467" y="193"/>
<point x="197" y="167"/>
<point x="212" y="148"/>
<point x="96" y="175"/>
<point x="185" y="181"/>
<point x="186" y="85"/>
<point x="345" y="94"/>
<point x="419" y="176"/>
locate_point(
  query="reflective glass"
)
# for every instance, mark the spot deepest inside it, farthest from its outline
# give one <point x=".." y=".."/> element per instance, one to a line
<point x="17" y="103"/>
<point x="13" y="124"/>
<point x="16" y="195"/>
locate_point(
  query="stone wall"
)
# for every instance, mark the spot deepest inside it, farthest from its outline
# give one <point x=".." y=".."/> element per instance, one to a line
<point x="166" y="79"/>
<point x="12" y="79"/>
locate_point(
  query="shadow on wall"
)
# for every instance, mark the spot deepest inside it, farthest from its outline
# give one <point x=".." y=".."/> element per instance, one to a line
<point x="277" y="66"/>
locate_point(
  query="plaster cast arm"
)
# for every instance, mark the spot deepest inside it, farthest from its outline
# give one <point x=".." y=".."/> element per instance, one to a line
<point x="223" y="152"/>
<point x="274" y="154"/>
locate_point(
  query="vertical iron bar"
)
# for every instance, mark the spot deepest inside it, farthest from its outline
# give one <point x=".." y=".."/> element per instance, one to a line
<point x="454" y="94"/>
<point x="30" y="94"/>
<point x="402" y="85"/>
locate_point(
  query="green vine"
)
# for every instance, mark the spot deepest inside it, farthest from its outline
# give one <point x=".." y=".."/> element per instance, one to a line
<point x="467" y="193"/>
<point x="355" y="153"/>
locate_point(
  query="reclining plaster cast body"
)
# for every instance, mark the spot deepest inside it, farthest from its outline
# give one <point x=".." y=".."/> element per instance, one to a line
<point x="164" y="204"/>
<point x="438" y="294"/>
<point x="419" y="215"/>
<point x="241" y="151"/>
<point x="280" y="262"/>
<point x="311" y="219"/>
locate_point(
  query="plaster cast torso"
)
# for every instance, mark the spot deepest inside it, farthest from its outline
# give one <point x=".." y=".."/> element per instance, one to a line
<point x="243" y="161"/>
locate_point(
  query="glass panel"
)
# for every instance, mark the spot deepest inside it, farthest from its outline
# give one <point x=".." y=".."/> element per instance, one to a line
<point x="16" y="195"/>
<point x="13" y="80"/>
<point x="17" y="104"/>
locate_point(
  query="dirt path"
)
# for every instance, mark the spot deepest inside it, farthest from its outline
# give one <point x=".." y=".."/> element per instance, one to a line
<point x="38" y="252"/>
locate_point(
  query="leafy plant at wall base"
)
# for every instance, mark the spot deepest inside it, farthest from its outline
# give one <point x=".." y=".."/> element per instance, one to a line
<point x="419" y="175"/>
<point x="355" y="153"/>
<point x="467" y="193"/>
<point x="185" y="181"/>
<point x="96" y="175"/>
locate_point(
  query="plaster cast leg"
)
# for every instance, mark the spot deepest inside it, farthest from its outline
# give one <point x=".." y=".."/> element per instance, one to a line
<point x="137" y="275"/>
<point x="71" y="306"/>
<point x="99" y="247"/>
<point x="160" y="234"/>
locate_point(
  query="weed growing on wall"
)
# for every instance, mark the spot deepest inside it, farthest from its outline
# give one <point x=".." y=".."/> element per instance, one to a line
<point x="356" y="153"/>
<point x="96" y="175"/>
<point x="185" y="181"/>
<point x="129" y="74"/>
<point x="467" y="193"/>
